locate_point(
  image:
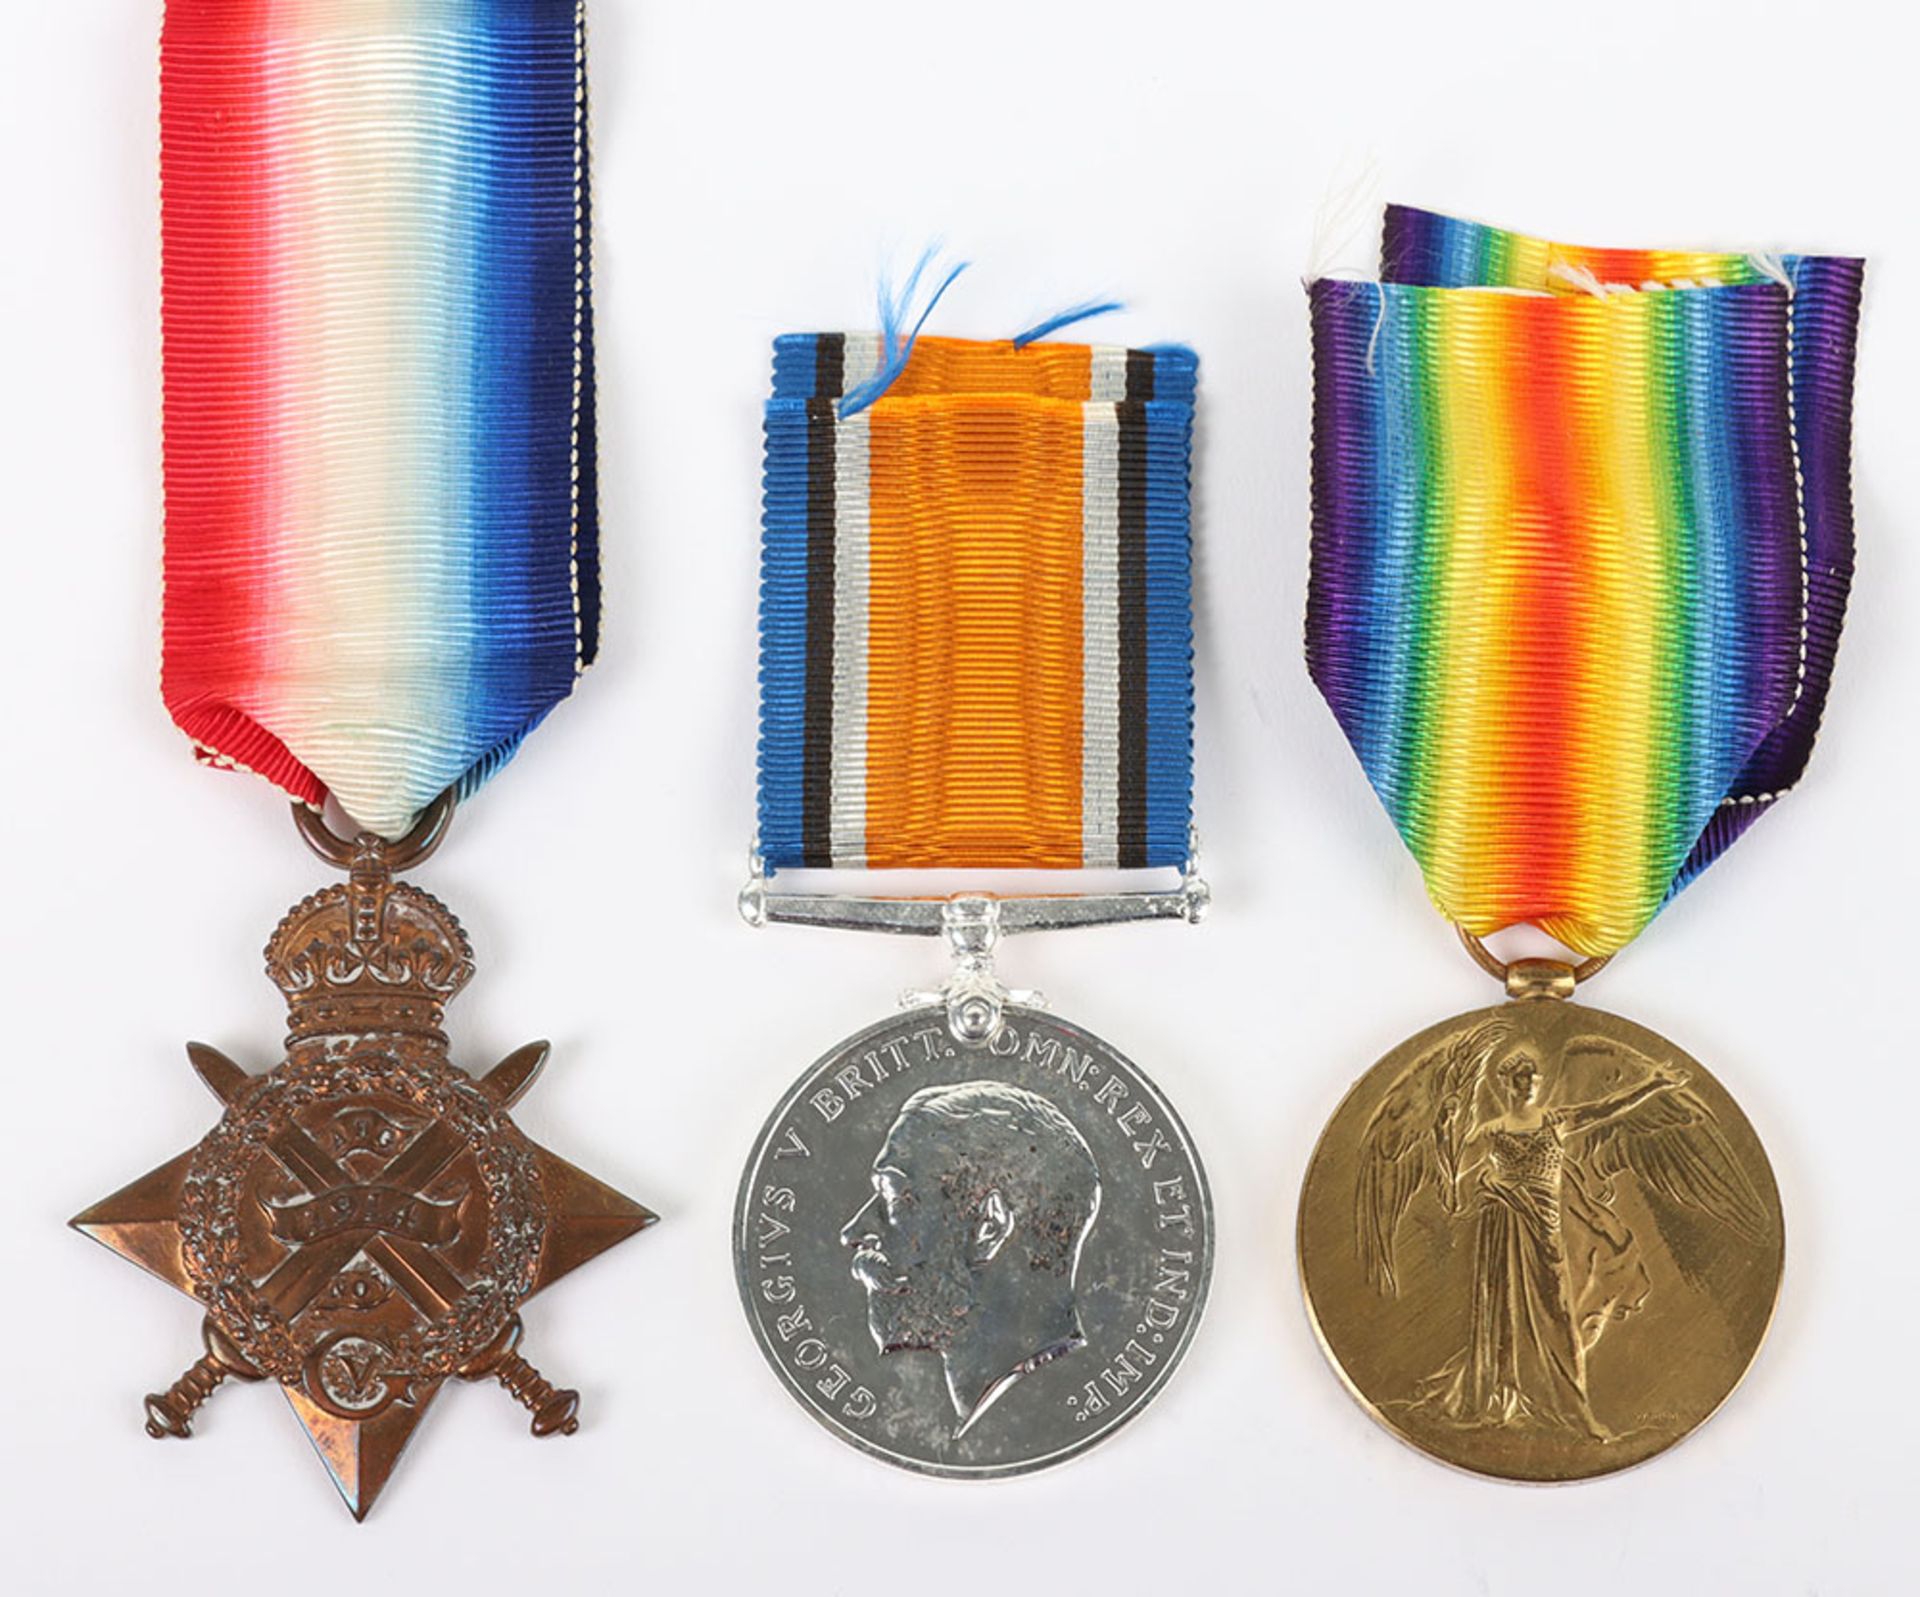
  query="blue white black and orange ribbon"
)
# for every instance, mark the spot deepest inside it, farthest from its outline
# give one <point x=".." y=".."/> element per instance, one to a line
<point x="976" y="627"/>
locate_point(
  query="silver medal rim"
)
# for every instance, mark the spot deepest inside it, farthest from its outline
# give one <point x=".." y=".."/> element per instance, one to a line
<point x="920" y="1466"/>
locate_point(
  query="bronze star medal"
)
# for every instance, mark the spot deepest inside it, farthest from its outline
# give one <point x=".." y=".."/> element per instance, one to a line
<point x="366" y="1219"/>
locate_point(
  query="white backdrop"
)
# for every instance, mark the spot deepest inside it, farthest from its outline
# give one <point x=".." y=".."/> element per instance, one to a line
<point x="755" y="164"/>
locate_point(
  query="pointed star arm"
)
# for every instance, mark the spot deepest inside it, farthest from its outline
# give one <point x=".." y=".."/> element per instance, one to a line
<point x="585" y="1217"/>
<point x="141" y="1222"/>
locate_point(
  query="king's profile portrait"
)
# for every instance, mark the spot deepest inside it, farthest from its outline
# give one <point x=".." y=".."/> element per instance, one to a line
<point x="969" y="1245"/>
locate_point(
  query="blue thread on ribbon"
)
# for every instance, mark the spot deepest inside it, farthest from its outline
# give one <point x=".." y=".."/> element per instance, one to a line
<point x="896" y="351"/>
<point x="1066" y="318"/>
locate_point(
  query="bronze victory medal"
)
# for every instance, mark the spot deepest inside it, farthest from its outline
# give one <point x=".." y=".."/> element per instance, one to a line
<point x="365" y="1220"/>
<point x="1540" y="1242"/>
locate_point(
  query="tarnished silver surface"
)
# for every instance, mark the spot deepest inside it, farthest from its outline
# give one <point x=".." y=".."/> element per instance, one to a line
<point x="973" y="1259"/>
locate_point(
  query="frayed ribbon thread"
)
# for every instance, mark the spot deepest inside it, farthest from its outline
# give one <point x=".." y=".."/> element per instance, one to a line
<point x="896" y="349"/>
<point x="1085" y="310"/>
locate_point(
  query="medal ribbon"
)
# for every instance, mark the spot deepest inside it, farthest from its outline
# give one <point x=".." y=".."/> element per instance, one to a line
<point x="381" y="559"/>
<point x="1582" y="539"/>
<point x="976" y="627"/>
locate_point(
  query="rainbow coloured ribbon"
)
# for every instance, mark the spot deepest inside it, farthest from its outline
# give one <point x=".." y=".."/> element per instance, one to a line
<point x="976" y="628"/>
<point x="381" y="557"/>
<point x="1582" y="540"/>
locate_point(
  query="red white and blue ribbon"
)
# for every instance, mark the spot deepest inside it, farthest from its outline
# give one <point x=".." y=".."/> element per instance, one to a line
<point x="381" y="559"/>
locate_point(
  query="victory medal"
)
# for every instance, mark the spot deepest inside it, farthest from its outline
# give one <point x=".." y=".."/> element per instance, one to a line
<point x="1581" y="548"/>
<point x="974" y="1239"/>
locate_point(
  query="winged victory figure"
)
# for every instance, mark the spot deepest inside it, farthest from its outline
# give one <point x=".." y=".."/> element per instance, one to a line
<point x="1554" y="1264"/>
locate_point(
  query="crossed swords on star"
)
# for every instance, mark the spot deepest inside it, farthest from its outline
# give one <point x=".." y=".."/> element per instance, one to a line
<point x="426" y="1279"/>
<point x="417" y="1272"/>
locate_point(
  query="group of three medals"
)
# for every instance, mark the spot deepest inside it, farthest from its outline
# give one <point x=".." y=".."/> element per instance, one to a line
<point x="1537" y="1241"/>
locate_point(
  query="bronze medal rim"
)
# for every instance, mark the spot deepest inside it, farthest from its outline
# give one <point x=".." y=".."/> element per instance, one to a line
<point x="1400" y="1055"/>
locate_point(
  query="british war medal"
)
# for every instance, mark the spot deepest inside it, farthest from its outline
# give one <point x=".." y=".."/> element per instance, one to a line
<point x="973" y="1239"/>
